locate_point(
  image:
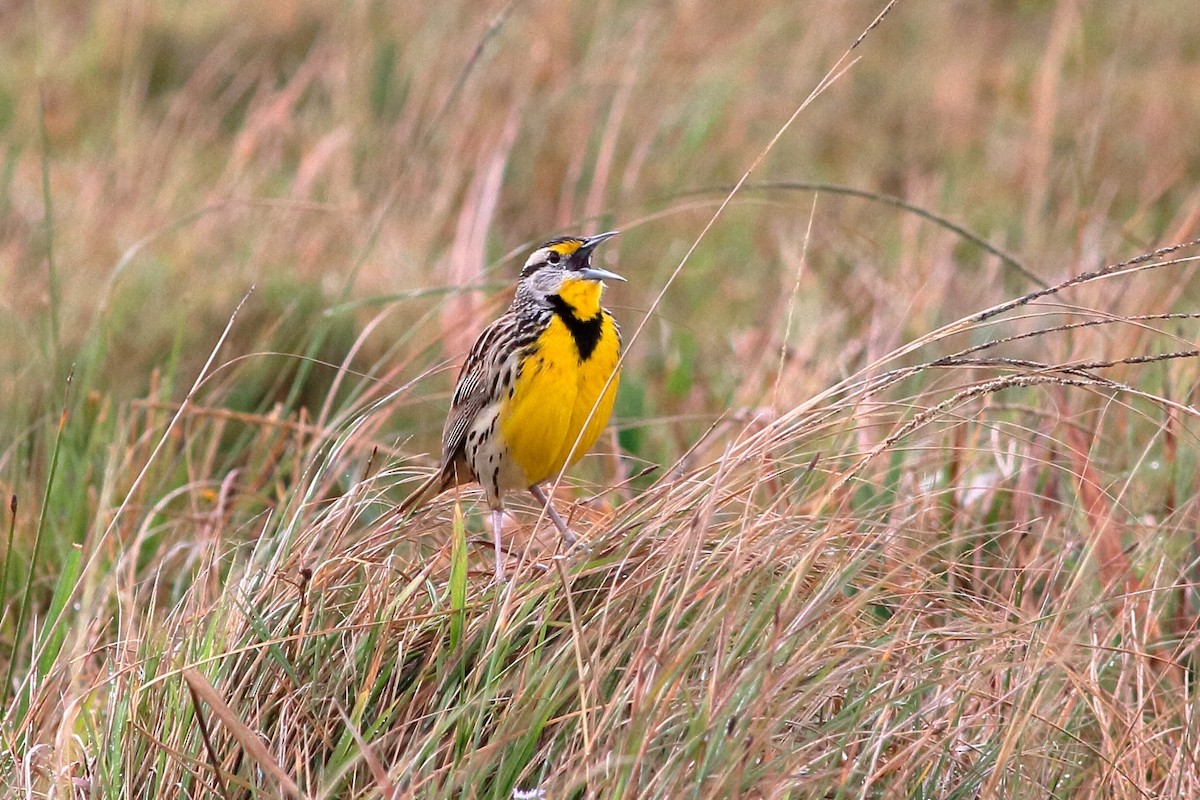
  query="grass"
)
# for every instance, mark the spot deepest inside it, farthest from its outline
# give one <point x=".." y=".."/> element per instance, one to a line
<point x="899" y="500"/>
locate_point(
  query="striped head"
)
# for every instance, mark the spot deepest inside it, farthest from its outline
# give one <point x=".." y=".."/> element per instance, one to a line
<point x="561" y="271"/>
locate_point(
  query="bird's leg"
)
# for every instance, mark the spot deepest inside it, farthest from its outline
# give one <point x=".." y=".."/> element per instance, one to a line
<point x="497" y="527"/>
<point x="568" y="537"/>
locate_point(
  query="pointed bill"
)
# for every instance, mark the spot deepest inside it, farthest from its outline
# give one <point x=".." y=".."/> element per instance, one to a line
<point x="595" y="273"/>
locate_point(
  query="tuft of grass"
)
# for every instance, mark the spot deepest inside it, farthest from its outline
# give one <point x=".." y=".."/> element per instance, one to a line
<point x="901" y="495"/>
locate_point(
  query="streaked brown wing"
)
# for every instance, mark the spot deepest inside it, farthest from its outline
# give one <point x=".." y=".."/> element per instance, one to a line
<point x="474" y="389"/>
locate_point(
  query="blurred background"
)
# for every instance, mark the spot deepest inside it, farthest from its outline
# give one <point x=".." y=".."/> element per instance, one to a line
<point x="391" y="164"/>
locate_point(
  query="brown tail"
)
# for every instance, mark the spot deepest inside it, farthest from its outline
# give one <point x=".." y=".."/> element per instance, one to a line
<point x="437" y="483"/>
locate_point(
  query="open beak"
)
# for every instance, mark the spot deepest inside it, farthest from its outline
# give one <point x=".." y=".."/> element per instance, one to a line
<point x="595" y="273"/>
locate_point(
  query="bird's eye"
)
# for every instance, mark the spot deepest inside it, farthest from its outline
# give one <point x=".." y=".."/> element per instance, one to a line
<point x="553" y="258"/>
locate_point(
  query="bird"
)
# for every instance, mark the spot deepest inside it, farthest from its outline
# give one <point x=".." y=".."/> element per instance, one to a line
<point x="537" y="387"/>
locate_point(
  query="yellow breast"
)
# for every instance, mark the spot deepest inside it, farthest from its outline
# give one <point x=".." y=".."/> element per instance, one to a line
<point x="561" y="400"/>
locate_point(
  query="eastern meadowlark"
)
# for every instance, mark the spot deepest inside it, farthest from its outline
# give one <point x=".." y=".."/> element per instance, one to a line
<point x="537" y="387"/>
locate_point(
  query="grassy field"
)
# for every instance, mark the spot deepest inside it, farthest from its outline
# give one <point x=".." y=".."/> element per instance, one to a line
<point x="899" y="500"/>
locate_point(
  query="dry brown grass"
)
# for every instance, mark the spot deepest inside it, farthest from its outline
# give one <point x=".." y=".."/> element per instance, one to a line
<point x="901" y="498"/>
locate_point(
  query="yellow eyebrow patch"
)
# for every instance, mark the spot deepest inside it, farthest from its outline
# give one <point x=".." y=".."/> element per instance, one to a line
<point x="567" y="246"/>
